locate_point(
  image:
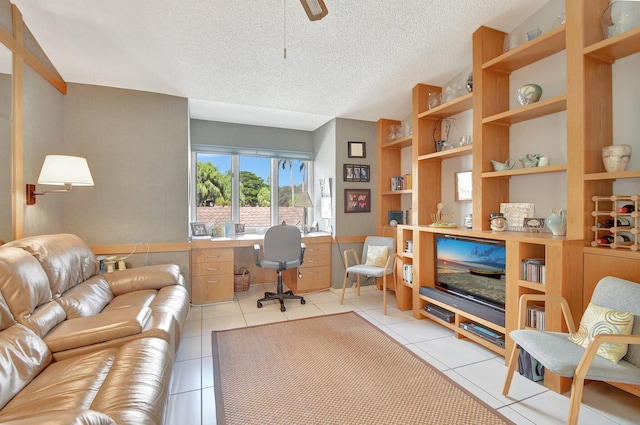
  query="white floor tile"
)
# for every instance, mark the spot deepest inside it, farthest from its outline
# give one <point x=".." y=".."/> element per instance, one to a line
<point x="419" y="330"/>
<point x="190" y="348"/>
<point x="207" y="372"/>
<point x="208" y="407"/>
<point x="184" y="408"/>
<point x="453" y="352"/>
<point x="186" y="376"/>
<point x="222" y="323"/>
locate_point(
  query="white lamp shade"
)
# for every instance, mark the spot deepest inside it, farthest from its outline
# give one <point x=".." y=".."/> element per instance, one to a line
<point x="63" y="169"/>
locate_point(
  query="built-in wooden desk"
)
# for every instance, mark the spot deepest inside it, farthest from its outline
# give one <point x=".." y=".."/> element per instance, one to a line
<point x="212" y="264"/>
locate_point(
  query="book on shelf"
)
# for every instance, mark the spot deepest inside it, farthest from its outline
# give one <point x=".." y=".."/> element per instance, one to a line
<point x="407" y="182"/>
<point x="394" y="215"/>
<point x="396" y="183"/>
<point x="404" y="182"/>
<point x="533" y="270"/>
<point x="535" y="316"/>
<point x="407" y="273"/>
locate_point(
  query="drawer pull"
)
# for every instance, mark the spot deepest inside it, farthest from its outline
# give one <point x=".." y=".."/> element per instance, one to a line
<point x="213" y="281"/>
<point x="213" y="270"/>
<point x="213" y="256"/>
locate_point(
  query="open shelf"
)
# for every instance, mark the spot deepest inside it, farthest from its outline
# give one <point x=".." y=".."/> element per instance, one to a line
<point x="526" y="171"/>
<point x="530" y="52"/>
<point x="630" y="174"/>
<point x="450" y="153"/>
<point x="535" y="110"/>
<point x="453" y="107"/>
<point x="539" y="287"/>
<point x="396" y="192"/>
<point x="399" y="143"/>
<point x="611" y="49"/>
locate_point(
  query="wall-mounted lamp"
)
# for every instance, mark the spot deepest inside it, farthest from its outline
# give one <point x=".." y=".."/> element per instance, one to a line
<point x="303" y="200"/>
<point x="316" y="9"/>
<point x="60" y="170"/>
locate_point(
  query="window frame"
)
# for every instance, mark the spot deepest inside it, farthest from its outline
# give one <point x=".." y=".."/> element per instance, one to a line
<point x="274" y="156"/>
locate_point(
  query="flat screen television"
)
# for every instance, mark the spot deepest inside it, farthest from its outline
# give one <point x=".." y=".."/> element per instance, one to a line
<point x="472" y="268"/>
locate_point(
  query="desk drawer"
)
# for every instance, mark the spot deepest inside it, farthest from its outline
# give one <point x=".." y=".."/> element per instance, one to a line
<point x="211" y="255"/>
<point x="212" y="269"/>
<point x="314" y="279"/>
<point x="208" y="289"/>
<point x="317" y="255"/>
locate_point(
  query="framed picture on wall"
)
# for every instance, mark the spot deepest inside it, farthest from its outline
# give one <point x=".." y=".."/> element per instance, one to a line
<point x="198" y="229"/>
<point x="357" y="149"/>
<point x="347" y="172"/>
<point x="357" y="200"/>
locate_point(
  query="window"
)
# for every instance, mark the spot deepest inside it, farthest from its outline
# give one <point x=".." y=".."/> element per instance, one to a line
<point x="245" y="189"/>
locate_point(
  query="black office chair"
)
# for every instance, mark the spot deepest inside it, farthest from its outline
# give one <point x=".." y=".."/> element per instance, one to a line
<point x="282" y="250"/>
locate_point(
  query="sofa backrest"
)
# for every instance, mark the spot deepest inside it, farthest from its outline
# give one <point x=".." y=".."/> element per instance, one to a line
<point x="23" y="355"/>
<point x="25" y="288"/>
<point x="65" y="258"/>
<point x="621" y="295"/>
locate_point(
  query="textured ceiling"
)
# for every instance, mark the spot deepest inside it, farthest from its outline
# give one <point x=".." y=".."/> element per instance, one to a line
<point x="361" y="61"/>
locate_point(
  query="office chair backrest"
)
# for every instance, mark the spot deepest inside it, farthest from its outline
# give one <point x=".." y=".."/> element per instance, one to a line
<point x="378" y="241"/>
<point x="621" y="295"/>
<point x="282" y="243"/>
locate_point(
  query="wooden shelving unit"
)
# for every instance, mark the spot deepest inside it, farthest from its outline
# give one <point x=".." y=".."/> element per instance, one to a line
<point x="572" y="267"/>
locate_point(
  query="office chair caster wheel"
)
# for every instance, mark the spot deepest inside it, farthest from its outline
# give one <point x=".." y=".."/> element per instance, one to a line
<point x="303" y="302"/>
<point x="283" y="308"/>
<point x="259" y="304"/>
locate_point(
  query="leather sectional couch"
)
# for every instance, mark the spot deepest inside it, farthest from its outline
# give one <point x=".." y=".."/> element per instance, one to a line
<point x="79" y="347"/>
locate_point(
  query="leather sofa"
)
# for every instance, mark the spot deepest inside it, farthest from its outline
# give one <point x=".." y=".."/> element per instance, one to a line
<point x="79" y="347"/>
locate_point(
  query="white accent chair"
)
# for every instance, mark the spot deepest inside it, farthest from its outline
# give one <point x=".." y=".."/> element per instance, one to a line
<point x="360" y="268"/>
<point x="565" y="358"/>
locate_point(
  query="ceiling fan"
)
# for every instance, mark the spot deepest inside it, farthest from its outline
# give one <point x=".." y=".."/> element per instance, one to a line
<point x="316" y="9"/>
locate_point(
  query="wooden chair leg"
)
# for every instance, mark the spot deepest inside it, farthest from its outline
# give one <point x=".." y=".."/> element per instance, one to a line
<point x="513" y="364"/>
<point x="358" y="280"/>
<point x="384" y="294"/>
<point x="344" y="287"/>
<point x="577" y="388"/>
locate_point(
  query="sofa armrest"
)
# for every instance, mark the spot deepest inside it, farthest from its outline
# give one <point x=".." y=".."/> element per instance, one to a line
<point x="140" y="278"/>
<point x="83" y="331"/>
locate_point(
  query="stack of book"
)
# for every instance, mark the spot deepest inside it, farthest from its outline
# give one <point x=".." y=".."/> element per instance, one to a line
<point x="535" y="317"/>
<point x="403" y="182"/>
<point x="407" y="273"/>
<point x="533" y="270"/>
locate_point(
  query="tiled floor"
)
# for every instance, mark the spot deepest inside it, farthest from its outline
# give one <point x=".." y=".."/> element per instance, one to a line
<point x="478" y="370"/>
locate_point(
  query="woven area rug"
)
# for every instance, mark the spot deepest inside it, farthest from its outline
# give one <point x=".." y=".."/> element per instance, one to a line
<point x="335" y="369"/>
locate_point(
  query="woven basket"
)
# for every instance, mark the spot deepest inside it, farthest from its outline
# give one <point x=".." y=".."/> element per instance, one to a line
<point x="241" y="281"/>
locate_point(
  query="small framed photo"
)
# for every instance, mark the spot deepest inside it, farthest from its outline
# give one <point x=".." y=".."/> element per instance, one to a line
<point x="357" y="200"/>
<point x="198" y="229"/>
<point x="347" y="172"/>
<point x="357" y="149"/>
<point x="365" y="173"/>
<point x="464" y="186"/>
<point x="533" y="224"/>
<point x="239" y="228"/>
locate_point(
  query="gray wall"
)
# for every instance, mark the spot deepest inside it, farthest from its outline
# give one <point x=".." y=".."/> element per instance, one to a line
<point x="136" y="144"/>
<point x="43" y="135"/>
<point x="5" y="156"/>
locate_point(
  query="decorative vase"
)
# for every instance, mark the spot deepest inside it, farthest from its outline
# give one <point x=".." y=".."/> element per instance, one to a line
<point x="528" y="94"/>
<point x="619" y="17"/>
<point x="530" y="160"/>
<point x="616" y="157"/>
<point x="557" y="223"/>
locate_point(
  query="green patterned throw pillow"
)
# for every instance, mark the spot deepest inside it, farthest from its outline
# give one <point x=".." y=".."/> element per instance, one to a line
<point x="602" y="320"/>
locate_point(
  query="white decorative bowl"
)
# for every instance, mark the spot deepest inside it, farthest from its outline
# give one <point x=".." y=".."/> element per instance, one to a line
<point x="528" y="94"/>
<point x="616" y="157"/>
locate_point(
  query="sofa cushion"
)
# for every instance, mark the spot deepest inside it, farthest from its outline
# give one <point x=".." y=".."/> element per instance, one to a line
<point x="23" y="282"/>
<point x="23" y="355"/>
<point x="62" y="386"/>
<point x="65" y="258"/>
<point x="87" y="298"/>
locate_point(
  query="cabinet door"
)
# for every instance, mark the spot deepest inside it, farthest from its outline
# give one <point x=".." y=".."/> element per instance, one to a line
<point x="314" y="278"/>
<point x="317" y="255"/>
